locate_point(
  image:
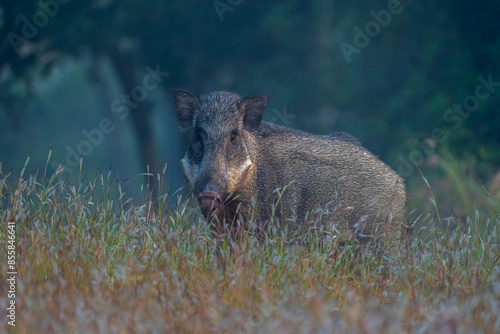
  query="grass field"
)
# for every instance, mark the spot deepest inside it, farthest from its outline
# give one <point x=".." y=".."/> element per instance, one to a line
<point x="90" y="259"/>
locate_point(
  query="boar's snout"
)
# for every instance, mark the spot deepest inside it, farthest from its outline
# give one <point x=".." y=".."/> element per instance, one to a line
<point x="209" y="201"/>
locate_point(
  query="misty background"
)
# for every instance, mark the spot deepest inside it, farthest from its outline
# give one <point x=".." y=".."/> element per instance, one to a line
<point x="418" y="82"/>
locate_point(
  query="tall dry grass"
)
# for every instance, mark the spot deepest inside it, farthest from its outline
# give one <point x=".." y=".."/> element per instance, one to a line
<point x="90" y="259"/>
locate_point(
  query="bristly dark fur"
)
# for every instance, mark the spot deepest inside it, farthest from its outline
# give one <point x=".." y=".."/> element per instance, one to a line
<point x="243" y="158"/>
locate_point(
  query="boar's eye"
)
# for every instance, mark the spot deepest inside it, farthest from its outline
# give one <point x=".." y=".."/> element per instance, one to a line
<point x="196" y="149"/>
<point x="234" y="135"/>
<point x="197" y="136"/>
<point x="197" y="141"/>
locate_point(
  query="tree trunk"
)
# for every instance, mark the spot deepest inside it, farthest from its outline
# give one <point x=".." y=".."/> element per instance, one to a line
<point x="125" y="65"/>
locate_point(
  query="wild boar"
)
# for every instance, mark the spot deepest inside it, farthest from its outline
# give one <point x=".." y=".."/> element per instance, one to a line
<point x="236" y="159"/>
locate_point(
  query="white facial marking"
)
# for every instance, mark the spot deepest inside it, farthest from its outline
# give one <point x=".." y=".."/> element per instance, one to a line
<point x="189" y="170"/>
<point x="247" y="164"/>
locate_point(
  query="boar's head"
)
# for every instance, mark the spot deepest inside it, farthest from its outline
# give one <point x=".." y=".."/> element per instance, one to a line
<point x="220" y="163"/>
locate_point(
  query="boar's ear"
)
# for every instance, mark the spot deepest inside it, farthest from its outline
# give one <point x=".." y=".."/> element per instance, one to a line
<point x="253" y="108"/>
<point x="185" y="103"/>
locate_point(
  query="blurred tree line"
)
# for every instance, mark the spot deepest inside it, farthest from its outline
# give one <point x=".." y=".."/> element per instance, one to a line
<point x="389" y="72"/>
